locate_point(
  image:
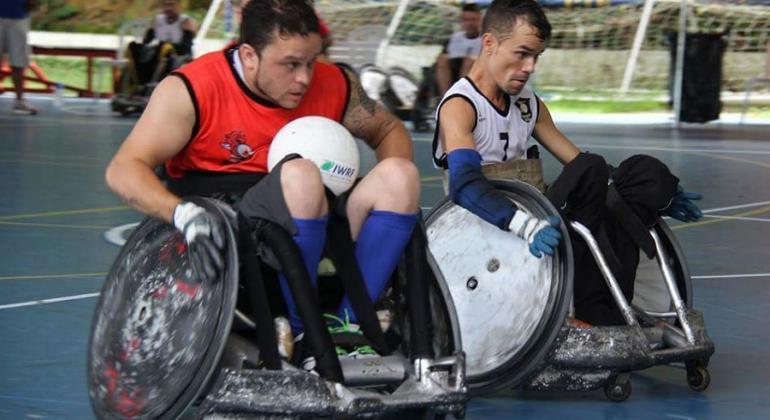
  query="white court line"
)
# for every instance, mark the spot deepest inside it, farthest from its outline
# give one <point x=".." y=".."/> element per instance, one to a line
<point x="731" y="276"/>
<point x="748" y="219"/>
<point x="739" y="206"/>
<point x="677" y="149"/>
<point x="46" y="301"/>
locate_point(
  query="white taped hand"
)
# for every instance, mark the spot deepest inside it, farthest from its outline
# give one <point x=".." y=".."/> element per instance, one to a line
<point x="542" y="235"/>
<point x="204" y="236"/>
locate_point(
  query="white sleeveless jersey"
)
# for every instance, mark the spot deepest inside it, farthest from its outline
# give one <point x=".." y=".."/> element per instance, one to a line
<point x="168" y="32"/>
<point x="500" y="134"/>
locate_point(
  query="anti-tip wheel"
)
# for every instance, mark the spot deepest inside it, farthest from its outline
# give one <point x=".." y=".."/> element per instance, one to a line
<point x="617" y="391"/>
<point x="698" y="377"/>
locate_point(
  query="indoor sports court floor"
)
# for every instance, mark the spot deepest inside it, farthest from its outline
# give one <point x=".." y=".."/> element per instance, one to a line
<point x="55" y="209"/>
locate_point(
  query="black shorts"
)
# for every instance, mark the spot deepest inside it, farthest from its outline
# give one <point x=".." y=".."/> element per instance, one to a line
<point x="265" y="200"/>
<point x="256" y="196"/>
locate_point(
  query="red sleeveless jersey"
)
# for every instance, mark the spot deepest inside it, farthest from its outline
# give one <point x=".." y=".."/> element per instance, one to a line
<point x="234" y="127"/>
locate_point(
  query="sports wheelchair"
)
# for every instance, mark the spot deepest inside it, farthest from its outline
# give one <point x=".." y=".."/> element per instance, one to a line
<point x="165" y="346"/>
<point x="146" y="66"/>
<point x="510" y="312"/>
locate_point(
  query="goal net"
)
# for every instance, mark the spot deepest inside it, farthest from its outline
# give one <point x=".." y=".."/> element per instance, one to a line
<point x="591" y="45"/>
<point x="592" y="40"/>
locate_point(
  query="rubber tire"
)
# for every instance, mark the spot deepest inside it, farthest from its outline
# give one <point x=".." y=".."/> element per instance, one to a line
<point x="617" y="392"/>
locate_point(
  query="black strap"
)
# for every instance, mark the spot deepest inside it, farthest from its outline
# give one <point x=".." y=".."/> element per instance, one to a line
<point x="316" y="335"/>
<point x="439" y="161"/>
<point x="629" y="221"/>
<point x="418" y="279"/>
<point x="251" y="278"/>
<point x="342" y="251"/>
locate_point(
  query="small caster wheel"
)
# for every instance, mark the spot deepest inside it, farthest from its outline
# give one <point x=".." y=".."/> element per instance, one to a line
<point x="698" y="377"/>
<point x="617" y="391"/>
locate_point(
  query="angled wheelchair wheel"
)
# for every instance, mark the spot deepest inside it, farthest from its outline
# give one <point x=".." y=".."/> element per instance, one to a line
<point x="404" y="86"/>
<point x="157" y="335"/>
<point x="505" y="306"/>
<point x="374" y="80"/>
<point x="650" y="292"/>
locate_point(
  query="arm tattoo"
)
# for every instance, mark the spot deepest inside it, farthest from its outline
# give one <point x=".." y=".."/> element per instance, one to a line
<point x="364" y="100"/>
<point x="365" y="118"/>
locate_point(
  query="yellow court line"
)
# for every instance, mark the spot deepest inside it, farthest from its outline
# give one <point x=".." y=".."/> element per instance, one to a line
<point x="53" y="276"/>
<point x="54" y="225"/>
<point x="431" y="178"/>
<point x="734" y="159"/>
<point x="63" y="213"/>
<point x="710" y="222"/>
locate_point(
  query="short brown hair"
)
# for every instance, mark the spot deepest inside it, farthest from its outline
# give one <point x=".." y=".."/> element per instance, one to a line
<point x="261" y="18"/>
<point x="503" y="16"/>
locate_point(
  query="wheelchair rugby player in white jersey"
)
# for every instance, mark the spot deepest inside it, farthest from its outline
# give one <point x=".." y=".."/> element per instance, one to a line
<point x="506" y="255"/>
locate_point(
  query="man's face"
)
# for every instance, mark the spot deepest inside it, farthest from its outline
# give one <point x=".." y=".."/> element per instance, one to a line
<point x="170" y="8"/>
<point x="471" y="23"/>
<point x="512" y="60"/>
<point x="284" y="68"/>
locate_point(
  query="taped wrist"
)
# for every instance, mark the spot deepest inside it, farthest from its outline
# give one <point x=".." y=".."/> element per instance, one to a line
<point x="469" y="189"/>
<point x="526" y="226"/>
<point x="186" y="212"/>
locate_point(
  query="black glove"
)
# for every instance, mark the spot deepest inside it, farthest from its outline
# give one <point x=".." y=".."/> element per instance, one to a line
<point x="205" y="239"/>
<point x="682" y="206"/>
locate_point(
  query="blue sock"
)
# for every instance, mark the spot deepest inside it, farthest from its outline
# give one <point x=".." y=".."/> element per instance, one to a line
<point x="310" y="237"/>
<point x="380" y="244"/>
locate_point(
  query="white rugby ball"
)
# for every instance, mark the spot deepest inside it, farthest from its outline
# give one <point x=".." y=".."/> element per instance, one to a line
<point x="325" y="142"/>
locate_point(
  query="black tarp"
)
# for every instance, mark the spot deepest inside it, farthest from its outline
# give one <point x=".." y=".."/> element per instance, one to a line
<point x="702" y="76"/>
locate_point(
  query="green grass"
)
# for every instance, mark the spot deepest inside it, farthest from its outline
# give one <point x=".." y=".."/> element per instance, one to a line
<point x="605" y="105"/>
<point x="753" y="111"/>
<point x="69" y="71"/>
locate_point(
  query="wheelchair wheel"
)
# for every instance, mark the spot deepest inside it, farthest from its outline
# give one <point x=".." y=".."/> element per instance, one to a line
<point x="404" y="86"/>
<point x="138" y="363"/>
<point x="650" y="291"/>
<point x="505" y="306"/>
<point x="444" y="343"/>
<point x="698" y="376"/>
<point x="374" y="80"/>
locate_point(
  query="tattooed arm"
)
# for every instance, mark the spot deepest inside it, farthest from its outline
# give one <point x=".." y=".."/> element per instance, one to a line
<point x="369" y="121"/>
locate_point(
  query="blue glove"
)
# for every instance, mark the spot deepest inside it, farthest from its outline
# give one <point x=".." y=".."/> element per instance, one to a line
<point x="205" y="239"/>
<point x="543" y="236"/>
<point x="682" y="208"/>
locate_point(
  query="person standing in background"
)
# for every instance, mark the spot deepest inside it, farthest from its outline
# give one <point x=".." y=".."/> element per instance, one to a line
<point x="14" y="26"/>
<point x="460" y="50"/>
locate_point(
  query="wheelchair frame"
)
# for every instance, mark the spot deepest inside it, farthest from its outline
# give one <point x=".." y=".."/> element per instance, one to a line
<point x="613" y="352"/>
